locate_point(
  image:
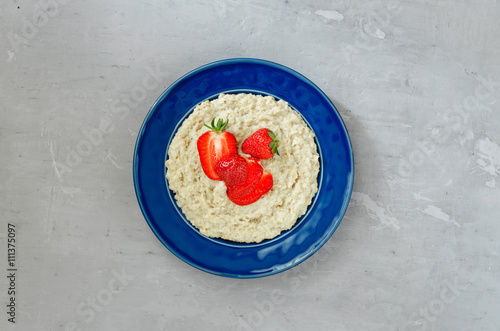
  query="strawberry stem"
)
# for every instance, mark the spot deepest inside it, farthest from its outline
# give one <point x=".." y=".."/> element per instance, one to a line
<point x="273" y="144"/>
<point x="219" y="127"/>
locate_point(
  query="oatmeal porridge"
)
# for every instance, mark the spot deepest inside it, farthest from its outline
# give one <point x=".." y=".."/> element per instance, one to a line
<point x="295" y="170"/>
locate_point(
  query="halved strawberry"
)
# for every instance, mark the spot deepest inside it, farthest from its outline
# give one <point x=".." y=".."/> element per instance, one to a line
<point x="215" y="145"/>
<point x="254" y="174"/>
<point x="233" y="170"/>
<point x="262" y="144"/>
<point x="263" y="186"/>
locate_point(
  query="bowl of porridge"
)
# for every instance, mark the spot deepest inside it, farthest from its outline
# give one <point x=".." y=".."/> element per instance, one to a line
<point x="194" y="216"/>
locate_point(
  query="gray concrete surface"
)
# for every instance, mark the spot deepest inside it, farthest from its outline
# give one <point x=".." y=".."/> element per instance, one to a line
<point x="417" y="83"/>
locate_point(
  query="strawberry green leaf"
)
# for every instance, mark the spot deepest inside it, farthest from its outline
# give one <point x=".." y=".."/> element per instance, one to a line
<point x="219" y="127"/>
<point x="273" y="144"/>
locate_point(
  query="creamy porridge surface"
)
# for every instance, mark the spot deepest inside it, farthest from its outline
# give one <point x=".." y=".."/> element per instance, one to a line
<point x="204" y="201"/>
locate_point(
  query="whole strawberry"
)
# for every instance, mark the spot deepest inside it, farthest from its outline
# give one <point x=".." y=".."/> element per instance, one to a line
<point x="262" y="144"/>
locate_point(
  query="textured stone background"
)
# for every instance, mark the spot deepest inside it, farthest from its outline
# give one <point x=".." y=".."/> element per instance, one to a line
<point x="417" y="83"/>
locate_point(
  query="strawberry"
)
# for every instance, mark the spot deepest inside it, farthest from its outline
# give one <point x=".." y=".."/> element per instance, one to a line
<point x="263" y="186"/>
<point x="262" y="144"/>
<point x="254" y="174"/>
<point x="233" y="170"/>
<point x="215" y="145"/>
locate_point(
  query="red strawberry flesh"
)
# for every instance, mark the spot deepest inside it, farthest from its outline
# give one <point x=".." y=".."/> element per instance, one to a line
<point x="255" y="172"/>
<point x="263" y="186"/>
<point x="215" y="145"/>
<point x="233" y="170"/>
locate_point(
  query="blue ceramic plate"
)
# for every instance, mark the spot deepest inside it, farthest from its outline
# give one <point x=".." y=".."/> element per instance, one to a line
<point x="225" y="258"/>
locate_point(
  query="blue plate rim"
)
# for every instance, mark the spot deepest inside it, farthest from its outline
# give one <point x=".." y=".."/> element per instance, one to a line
<point x="350" y="178"/>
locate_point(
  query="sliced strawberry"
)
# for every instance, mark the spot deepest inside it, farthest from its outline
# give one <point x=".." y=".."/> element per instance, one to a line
<point x="263" y="186"/>
<point x="262" y="144"/>
<point x="254" y="174"/>
<point x="233" y="170"/>
<point x="215" y="145"/>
